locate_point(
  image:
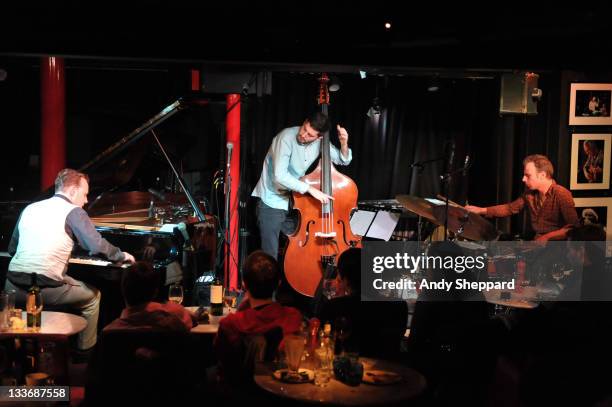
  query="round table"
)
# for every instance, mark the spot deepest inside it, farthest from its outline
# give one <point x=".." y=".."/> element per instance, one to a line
<point x="339" y="393"/>
<point x="52" y="323"/>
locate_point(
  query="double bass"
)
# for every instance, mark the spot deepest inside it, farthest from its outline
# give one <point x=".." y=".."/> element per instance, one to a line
<point x="323" y="230"/>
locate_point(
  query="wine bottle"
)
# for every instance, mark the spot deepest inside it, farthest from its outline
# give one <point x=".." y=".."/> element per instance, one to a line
<point x="216" y="297"/>
<point x="34" y="305"/>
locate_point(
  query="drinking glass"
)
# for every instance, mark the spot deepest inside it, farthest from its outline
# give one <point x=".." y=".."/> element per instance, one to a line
<point x="323" y="366"/>
<point x="175" y="293"/>
<point x="4" y="311"/>
<point x="294" y="348"/>
<point x="229" y="299"/>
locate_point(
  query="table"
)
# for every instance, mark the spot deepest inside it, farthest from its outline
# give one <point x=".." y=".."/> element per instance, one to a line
<point x="213" y="325"/>
<point x="55" y="327"/>
<point x="521" y="299"/>
<point x="339" y="393"/>
<point x="53" y="323"/>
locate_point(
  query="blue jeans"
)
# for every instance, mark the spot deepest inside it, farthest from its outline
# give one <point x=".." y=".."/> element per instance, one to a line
<point x="271" y="222"/>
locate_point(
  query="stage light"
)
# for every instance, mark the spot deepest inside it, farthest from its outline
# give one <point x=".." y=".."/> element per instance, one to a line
<point x="362" y="74"/>
<point x="334" y="83"/>
<point x="434" y="85"/>
<point x="375" y="109"/>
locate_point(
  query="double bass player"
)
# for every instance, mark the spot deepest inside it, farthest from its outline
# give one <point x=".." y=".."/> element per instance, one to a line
<point x="291" y="153"/>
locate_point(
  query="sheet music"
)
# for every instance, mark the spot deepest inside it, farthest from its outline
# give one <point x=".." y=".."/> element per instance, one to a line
<point x="383" y="225"/>
<point x="360" y="222"/>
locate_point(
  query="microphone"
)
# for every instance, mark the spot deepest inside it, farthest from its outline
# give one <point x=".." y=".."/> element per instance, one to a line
<point x="159" y="195"/>
<point x="466" y="164"/>
<point x="230" y="147"/>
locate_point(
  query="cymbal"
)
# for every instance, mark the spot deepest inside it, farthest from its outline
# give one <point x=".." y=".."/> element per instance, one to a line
<point x="466" y="224"/>
<point x="460" y="221"/>
<point x="419" y="206"/>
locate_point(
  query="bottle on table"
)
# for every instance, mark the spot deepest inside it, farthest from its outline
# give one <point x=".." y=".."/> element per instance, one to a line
<point x="34" y="306"/>
<point x="216" y="297"/>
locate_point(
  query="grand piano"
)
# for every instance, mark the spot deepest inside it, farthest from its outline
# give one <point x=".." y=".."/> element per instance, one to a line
<point x="132" y="210"/>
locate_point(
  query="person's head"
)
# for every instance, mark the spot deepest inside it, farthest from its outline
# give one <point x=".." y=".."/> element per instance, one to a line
<point x="590" y="147"/>
<point x="139" y="283"/>
<point x="313" y="128"/>
<point x="74" y="185"/>
<point x="580" y="254"/>
<point x="589" y="216"/>
<point x="349" y="268"/>
<point x="260" y="275"/>
<point x="537" y="171"/>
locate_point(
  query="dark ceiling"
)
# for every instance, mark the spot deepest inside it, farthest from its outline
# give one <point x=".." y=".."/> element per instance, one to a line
<point x="493" y="35"/>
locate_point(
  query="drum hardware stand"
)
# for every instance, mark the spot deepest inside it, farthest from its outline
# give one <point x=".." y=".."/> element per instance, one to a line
<point x="446" y="179"/>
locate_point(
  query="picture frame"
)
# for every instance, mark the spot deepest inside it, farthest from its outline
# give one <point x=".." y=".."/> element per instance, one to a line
<point x="590" y="161"/>
<point x="597" y="211"/>
<point x="590" y="104"/>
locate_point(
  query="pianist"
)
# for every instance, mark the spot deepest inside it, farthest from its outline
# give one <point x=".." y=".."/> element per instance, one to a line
<point x="42" y="242"/>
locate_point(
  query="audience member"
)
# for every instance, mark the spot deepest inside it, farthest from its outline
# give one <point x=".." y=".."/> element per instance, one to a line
<point x="258" y="315"/>
<point x="372" y="328"/>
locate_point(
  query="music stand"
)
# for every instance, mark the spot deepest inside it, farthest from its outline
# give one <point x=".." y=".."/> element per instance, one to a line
<point x="376" y="225"/>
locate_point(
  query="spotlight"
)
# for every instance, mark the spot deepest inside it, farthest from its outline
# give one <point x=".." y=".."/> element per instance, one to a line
<point x="387" y="25"/>
<point x="434" y="86"/>
<point x="334" y="83"/>
<point x="362" y="74"/>
<point x="375" y="109"/>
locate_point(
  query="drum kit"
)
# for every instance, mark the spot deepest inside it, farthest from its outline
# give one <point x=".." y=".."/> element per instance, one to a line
<point x="466" y="228"/>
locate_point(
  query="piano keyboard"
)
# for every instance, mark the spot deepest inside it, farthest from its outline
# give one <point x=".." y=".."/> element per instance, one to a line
<point x="96" y="262"/>
<point x="91" y="261"/>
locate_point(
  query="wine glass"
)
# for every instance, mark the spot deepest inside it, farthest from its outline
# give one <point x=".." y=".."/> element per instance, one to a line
<point x="175" y="293"/>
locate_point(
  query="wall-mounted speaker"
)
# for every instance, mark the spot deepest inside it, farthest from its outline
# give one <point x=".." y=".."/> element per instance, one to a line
<point x="259" y="83"/>
<point x="519" y="93"/>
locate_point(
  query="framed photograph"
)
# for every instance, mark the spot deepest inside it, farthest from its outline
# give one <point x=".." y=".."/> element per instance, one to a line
<point x="590" y="104"/>
<point x="590" y="161"/>
<point x="596" y="211"/>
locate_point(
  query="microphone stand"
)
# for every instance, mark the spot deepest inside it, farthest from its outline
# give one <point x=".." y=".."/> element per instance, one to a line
<point x="228" y="187"/>
<point x="419" y="166"/>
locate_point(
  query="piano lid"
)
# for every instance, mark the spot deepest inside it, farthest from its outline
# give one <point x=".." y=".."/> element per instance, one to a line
<point x="128" y="176"/>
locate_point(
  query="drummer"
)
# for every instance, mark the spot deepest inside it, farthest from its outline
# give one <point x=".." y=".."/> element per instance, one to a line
<point x="550" y="206"/>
